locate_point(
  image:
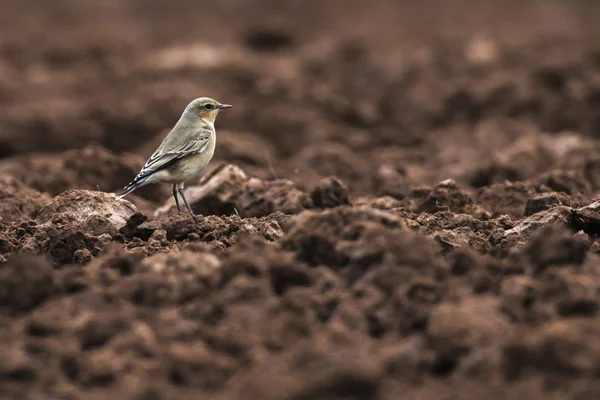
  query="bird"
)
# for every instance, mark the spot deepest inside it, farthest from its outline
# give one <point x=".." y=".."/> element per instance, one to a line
<point x="184" y="152"/>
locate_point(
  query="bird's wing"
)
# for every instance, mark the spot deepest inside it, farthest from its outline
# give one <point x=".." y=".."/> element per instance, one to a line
<point x="171" y="151"/>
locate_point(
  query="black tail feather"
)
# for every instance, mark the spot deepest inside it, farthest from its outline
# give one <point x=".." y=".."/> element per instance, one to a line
<point x="131" y="187"/>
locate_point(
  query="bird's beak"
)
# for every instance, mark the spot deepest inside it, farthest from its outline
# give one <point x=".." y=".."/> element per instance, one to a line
<point x="224" y="106"/>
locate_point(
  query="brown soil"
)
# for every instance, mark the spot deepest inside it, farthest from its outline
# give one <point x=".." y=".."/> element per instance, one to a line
<point x="413" y="213"/>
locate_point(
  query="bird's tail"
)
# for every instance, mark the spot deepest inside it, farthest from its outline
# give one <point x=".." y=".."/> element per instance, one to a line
<point x="136" y="183"/>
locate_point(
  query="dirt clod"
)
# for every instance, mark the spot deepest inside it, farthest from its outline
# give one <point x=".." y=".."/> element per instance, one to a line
<point x="261" y="198"/>
<point x="329" y="193"/>
<point x="26" y="281"/>
<point x="79" y="206"/>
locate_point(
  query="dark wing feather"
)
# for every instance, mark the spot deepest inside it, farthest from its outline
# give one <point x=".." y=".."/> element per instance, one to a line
<point x="159" y="161"/>
<point x="163" y="158"/>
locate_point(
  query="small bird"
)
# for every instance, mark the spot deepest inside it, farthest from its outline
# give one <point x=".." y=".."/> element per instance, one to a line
<point x="185" y="151"/>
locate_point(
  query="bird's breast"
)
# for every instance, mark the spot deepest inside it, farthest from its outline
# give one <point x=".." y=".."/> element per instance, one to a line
<point x="191" y="166"/>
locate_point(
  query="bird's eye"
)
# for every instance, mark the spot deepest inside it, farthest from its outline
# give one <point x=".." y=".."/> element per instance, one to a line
<point x="208" y="106"/>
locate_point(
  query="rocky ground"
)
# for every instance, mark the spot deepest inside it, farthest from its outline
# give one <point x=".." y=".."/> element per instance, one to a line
<point x="401" y="204"/>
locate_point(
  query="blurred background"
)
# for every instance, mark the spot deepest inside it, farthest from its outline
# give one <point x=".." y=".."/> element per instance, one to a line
<point x="385" y="94"/>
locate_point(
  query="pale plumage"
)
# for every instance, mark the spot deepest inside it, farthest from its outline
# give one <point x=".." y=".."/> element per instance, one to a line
<point x="185" y="151"/>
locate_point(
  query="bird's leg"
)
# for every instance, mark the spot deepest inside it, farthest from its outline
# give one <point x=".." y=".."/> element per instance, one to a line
<point x="175" y="196"/>
<point x="180" y="189"/>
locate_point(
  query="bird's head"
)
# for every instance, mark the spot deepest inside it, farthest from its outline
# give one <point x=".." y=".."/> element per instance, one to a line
<point x="205" y="108"/>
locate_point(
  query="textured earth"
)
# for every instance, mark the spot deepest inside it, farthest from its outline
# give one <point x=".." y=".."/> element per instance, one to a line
<point x="401" y="204"/>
